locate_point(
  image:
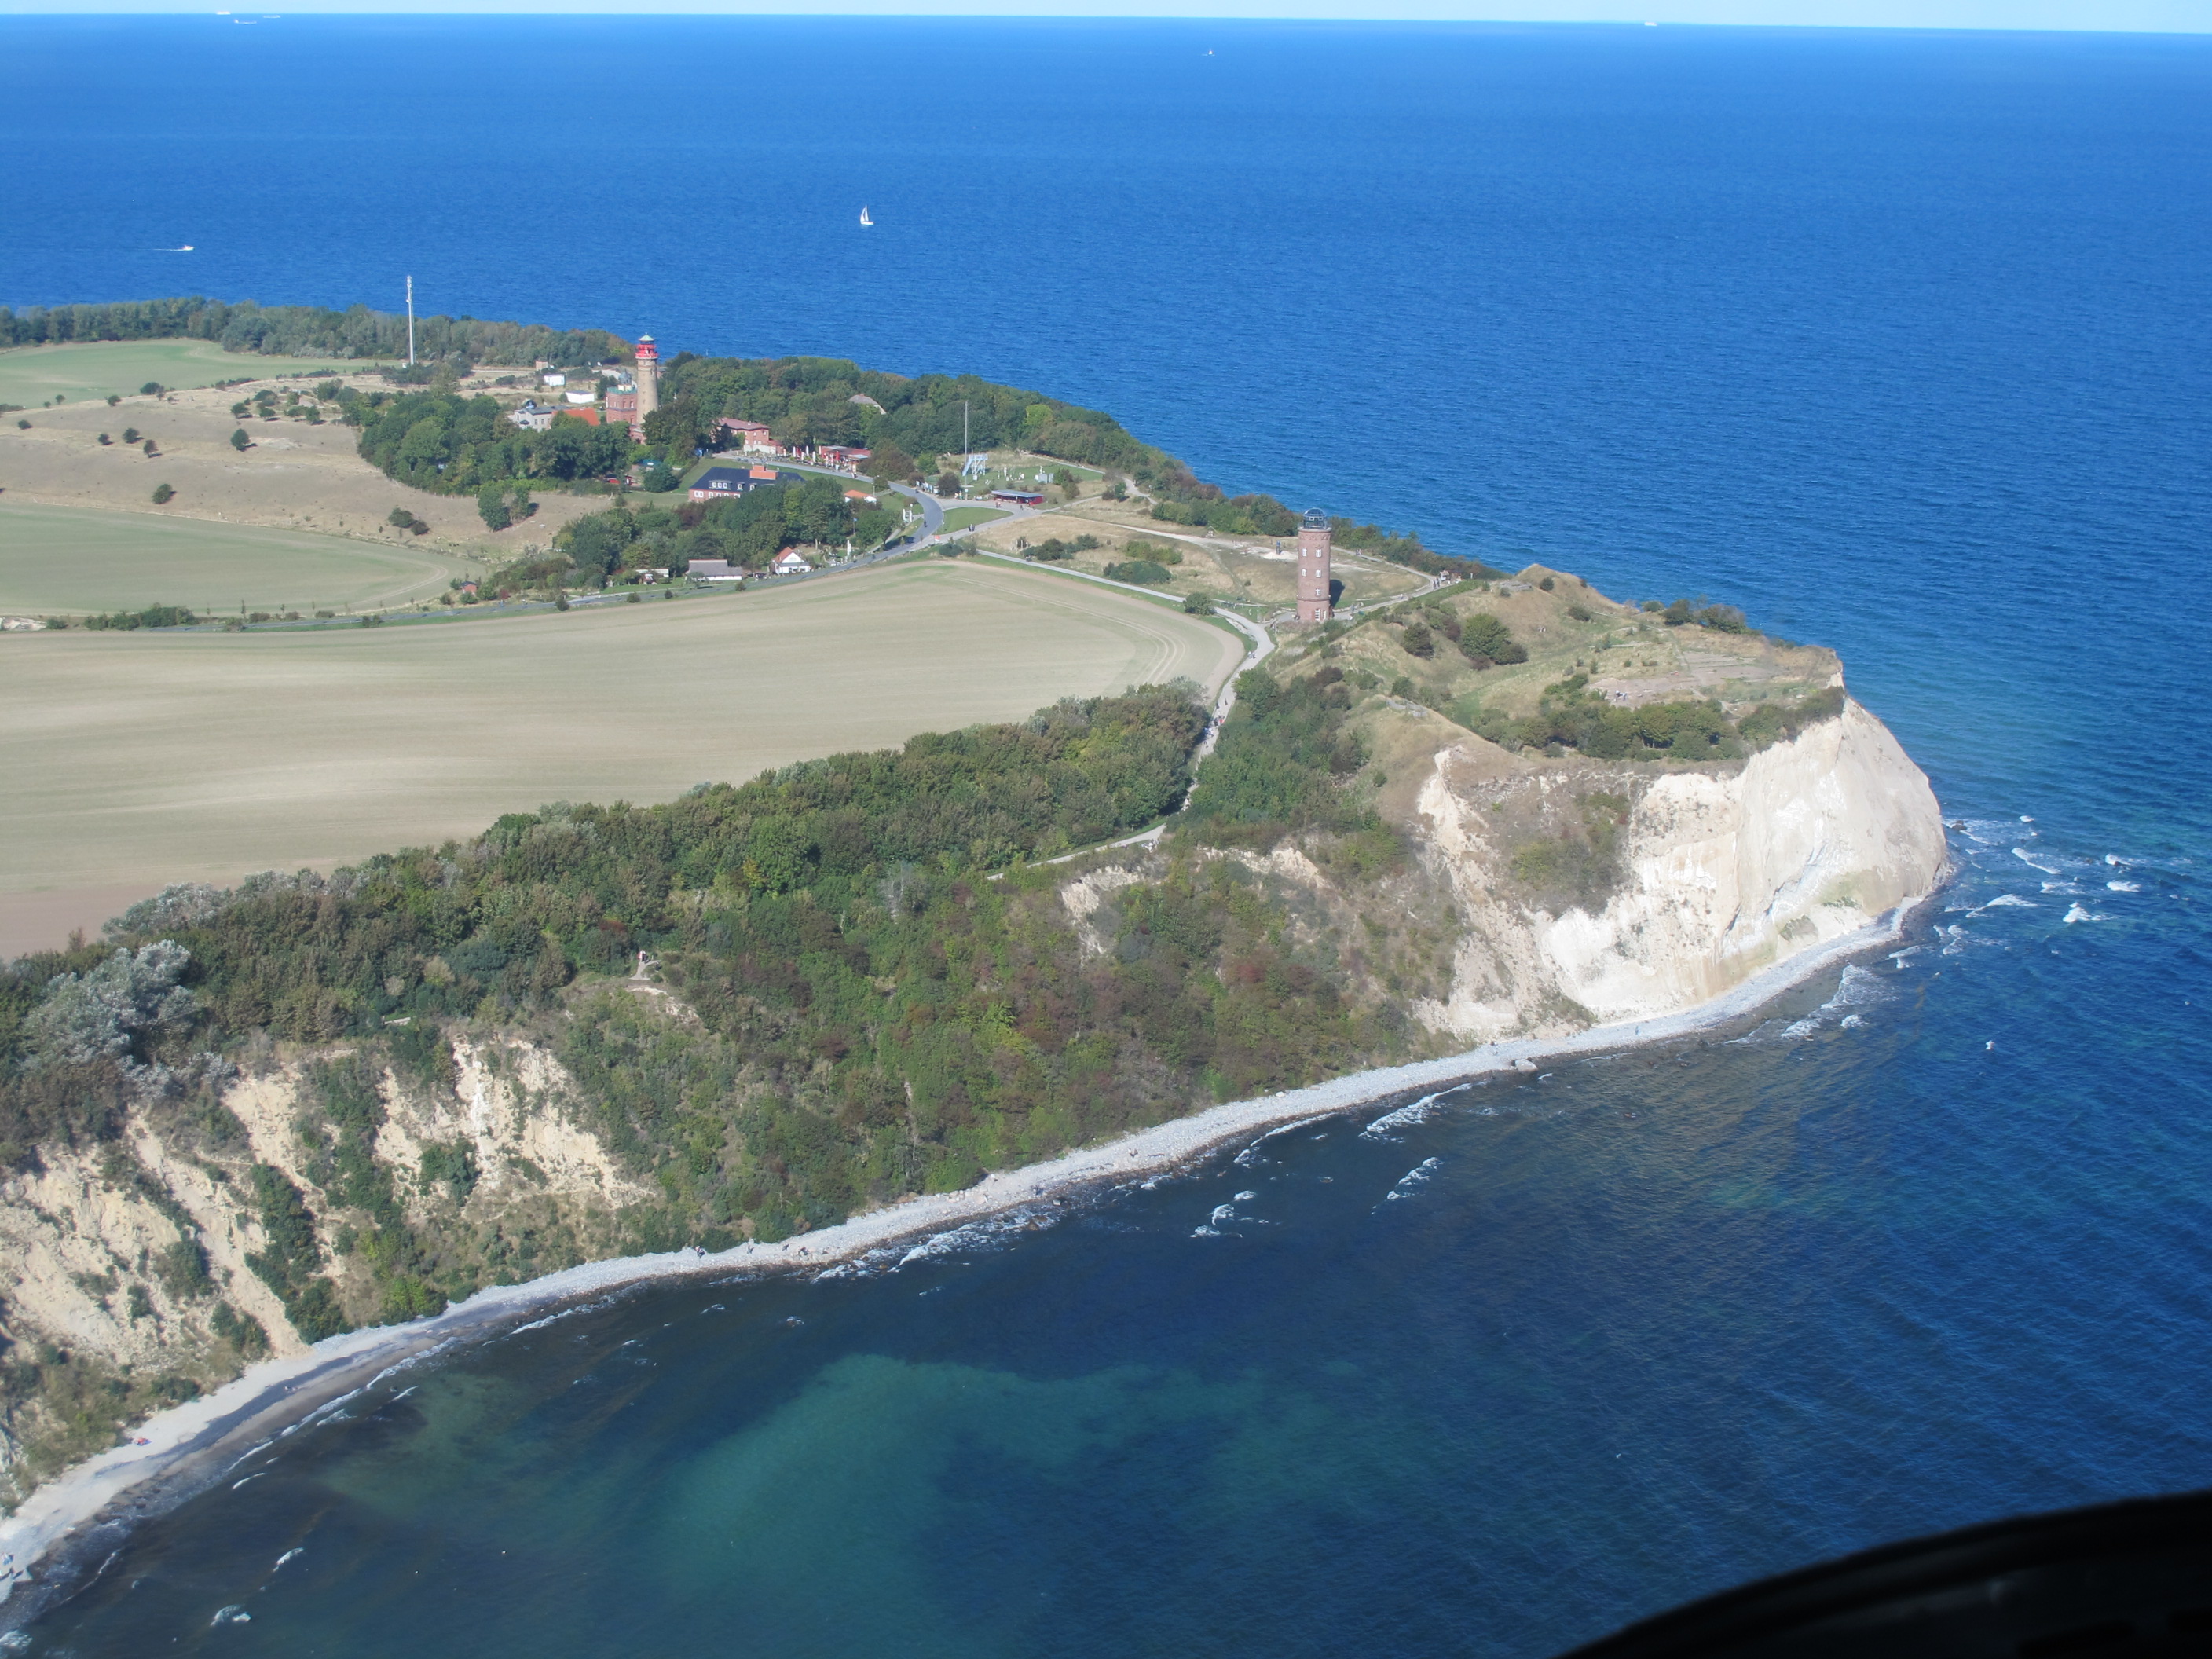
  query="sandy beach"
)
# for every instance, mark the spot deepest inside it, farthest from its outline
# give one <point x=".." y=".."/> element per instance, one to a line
<point x="74" y="1522"/>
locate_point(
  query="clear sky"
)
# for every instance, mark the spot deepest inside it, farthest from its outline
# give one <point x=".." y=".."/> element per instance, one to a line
<point x="2181" y="16"/>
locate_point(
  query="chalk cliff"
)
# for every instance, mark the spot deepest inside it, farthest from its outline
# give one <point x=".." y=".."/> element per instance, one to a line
<point x="1706" y="877"/>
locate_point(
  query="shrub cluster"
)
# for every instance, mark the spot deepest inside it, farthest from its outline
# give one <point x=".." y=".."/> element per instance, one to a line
<point x="154" y="615"/>
<point x="1573" y="716"/>
<point x="1142" y="572"/>
<point x="1054" y="550"/>
<point x="1279" y="763"/>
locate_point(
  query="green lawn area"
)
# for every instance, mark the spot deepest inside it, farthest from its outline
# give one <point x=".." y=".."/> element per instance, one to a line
<point x="965" y="518"/>
<point x="31" y="375"/>
<point x="61" y="560"/>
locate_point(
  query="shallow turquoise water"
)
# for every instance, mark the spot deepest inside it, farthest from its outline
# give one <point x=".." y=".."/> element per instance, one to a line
<point x="1895" y="341"/>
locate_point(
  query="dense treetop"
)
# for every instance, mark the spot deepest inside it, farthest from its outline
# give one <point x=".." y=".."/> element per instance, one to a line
<point x="308" y="332"/>
<point x="448" y="444"/>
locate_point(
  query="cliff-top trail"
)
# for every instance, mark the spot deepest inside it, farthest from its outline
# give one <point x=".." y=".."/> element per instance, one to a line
<point x="1506" y="812"/>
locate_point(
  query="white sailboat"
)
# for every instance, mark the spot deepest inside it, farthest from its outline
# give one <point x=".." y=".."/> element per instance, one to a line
<point x="863" y="214"/>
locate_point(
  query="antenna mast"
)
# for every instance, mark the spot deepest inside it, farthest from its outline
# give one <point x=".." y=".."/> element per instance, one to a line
<point x="410" y="322"/>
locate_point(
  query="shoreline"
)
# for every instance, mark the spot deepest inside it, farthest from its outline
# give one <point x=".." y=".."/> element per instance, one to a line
<point x="87" y="1511"/>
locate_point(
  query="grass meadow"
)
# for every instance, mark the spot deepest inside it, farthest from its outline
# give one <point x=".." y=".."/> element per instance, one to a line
<point x="139" y="759"/>
<point x="31" y="375"/>
<point x="61" y="560"/>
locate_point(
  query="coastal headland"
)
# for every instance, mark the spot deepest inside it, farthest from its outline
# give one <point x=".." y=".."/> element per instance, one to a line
<point x="268" y="1137"/>
<point x="67" y="1526"/>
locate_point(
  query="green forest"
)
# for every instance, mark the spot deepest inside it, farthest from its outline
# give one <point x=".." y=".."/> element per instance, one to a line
<point x="310" y="331"/>
<point x="877" y="1016"/>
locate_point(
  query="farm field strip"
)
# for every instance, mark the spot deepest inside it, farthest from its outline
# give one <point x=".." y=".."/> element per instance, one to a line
<point x="31" y="375"/>
<point x="56" y="560"/>
<point x="151" y="757"/>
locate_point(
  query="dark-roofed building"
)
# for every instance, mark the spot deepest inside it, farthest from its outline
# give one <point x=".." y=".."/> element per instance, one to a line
<point x="717" y="482"/>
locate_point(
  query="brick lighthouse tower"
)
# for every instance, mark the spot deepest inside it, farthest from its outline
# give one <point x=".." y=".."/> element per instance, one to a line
<point x="648" y="376"/>
<point x="1313" y="569"/>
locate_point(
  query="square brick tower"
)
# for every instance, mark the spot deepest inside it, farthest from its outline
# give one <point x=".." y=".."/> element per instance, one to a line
<point x="1313" y="569"/>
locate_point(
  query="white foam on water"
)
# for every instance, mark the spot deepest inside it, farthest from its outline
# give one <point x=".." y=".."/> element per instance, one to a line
<point x="1405" y="1117"/>
<point x="985" y="1233"/>
<point x="565" y="1313"/>
<point x="256" y="1475"/>
<point x="1988" y="832"/>
<point x="1850" y="1022"/>
<point x="2021" y="853"/>
<point x="2009" y="902"/>
<point x="2124" y="886"/>
<point x="1222" y="1214"/>
<point x="1859" y="988"/>
<point x="1204" y="1232"/>
<point x="249" y="1452"/>
<point x="288" y="1555"/>
<point x="232" y="1615"/>
<point x="2062" y="886"/>
<point x="1414" y="1179"/>
<point x="1245" y="1198"/>
<point x="2075" y="914"/>
<point x="1250" y="1156"/>
<point x="15" y="1641"/>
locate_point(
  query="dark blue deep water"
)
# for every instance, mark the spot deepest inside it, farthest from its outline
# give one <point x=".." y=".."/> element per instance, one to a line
<point x="1898" y="341"/>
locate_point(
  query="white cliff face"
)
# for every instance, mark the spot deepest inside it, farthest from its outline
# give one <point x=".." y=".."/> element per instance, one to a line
<point x="1721" y="873"/>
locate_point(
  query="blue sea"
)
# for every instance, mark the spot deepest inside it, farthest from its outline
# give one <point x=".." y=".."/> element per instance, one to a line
<point x="1897" y="340"/>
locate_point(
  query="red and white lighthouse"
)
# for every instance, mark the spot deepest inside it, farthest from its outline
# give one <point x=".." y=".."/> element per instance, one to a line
<point x="1314" y="540"/>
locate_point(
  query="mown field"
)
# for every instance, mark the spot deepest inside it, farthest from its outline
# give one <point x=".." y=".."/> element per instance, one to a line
<point x="31" y="375"/>
<point x="139" y="759"/>
<point x="56" y="560"/>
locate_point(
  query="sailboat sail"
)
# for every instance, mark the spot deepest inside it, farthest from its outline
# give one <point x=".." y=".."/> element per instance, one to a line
<point x="864" y="216"/>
